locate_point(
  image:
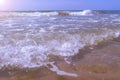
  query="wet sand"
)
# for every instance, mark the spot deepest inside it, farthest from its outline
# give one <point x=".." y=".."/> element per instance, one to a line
<point x="101" y="62"/>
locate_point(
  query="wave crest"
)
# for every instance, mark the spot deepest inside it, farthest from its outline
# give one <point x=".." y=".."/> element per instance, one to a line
<point x="47" y="14"/>
<point x="82" y="13"/>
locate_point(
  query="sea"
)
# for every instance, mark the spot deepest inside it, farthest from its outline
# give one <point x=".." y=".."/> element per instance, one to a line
<point x="29" y="38"/>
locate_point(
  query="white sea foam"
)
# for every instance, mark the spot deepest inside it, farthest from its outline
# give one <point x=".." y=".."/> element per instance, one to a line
<point x="68" y="62"/>
<point x="27" y="40"/>
<point x="60" y="72"/>
<point x="1" y="37"/>
<point x="82" y="13"/>
<point x="33" y="49"/>
<point x="40" y="14"/>
<point x="46" y="14"/>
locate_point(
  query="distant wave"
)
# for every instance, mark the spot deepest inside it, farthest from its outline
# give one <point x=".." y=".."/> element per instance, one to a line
<point x="82" y="13"/>
<point x="16" y="14"/>
<point x="47" y="14"/>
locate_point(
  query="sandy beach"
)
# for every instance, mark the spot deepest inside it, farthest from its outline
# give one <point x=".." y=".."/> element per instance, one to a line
<point x="101" y="62"/>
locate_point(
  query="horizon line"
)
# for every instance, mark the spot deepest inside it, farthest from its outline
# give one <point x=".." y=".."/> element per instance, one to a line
<point x="56" y="10"/>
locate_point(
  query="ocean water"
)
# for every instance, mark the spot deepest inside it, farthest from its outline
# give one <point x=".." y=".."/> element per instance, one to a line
<point x="28" y="38"/>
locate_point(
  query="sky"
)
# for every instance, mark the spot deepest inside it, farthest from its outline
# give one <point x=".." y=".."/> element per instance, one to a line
<point x="60" y="4"/>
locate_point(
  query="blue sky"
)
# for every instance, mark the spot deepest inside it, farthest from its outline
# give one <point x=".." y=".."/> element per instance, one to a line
<point x="61" y="5"/>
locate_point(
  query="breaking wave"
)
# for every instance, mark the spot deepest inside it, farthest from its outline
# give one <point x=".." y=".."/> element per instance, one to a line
<point x="33" y="49"/>
<point x="82" y="13"/>
<point x="28" y="41"/>
<point x="47" y="14"/>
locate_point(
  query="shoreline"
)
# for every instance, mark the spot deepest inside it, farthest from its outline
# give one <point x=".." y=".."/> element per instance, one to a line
<point x="100" y="62"/>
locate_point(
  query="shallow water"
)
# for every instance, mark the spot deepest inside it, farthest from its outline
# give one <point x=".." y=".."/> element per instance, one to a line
<point x="28" y="38"/>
